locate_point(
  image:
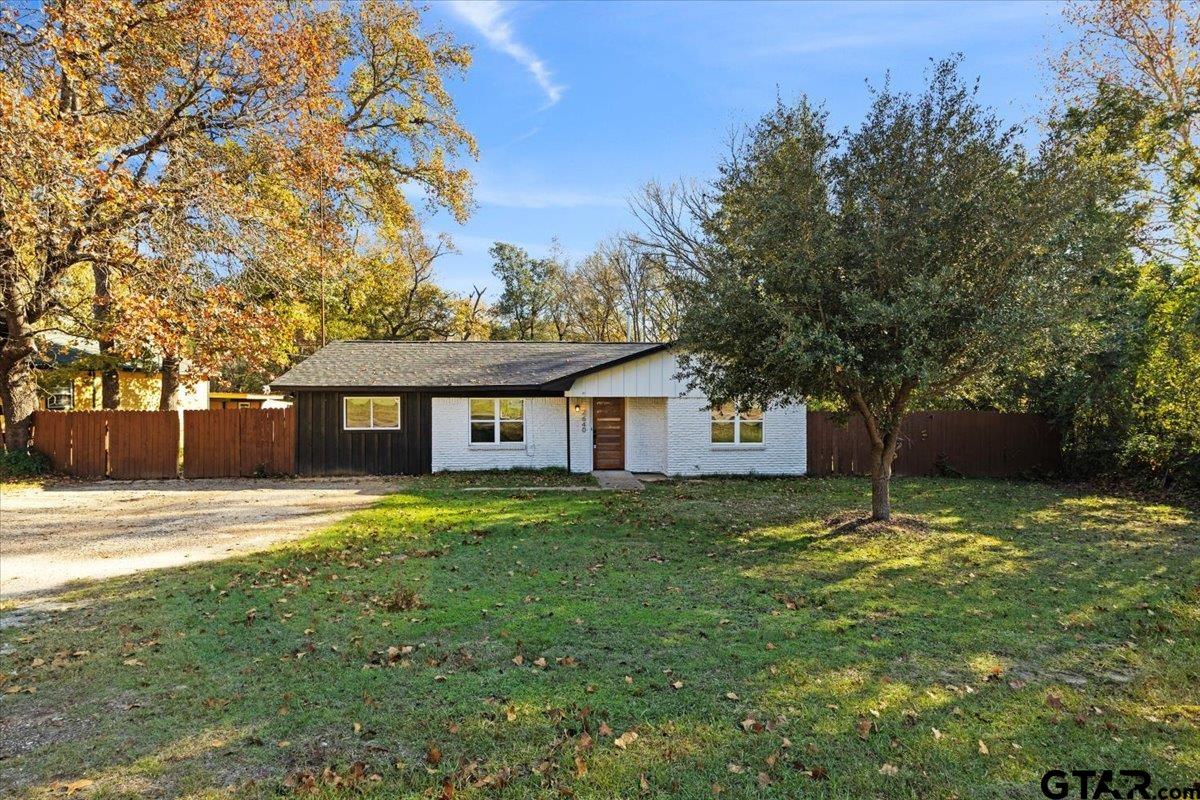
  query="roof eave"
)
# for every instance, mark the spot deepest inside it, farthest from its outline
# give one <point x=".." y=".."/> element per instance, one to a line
<point x="525" y="390"/>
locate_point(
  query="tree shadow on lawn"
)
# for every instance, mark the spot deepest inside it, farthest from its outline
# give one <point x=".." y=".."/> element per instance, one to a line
<point x="1060" y="632"/>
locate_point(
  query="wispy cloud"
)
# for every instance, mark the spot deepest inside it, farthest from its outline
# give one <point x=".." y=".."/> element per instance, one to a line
<point x="527" y="197"/>
<point x="489" y="18"/>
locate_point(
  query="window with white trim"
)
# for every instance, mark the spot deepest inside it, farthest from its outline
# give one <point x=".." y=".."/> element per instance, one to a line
<point x="370" y="413"/>
<point x="731" y="427"/>
<point x="497" y="420"/>
<point x="61" y="398"/>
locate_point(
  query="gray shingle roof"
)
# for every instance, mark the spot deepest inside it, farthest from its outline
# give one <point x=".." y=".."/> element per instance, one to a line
<point x="458" y="365"/>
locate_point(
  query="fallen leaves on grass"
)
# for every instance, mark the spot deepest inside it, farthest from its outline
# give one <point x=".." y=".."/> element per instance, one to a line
<point x="983" y="748"/>
<point x="751" y="725"/>
<point x="71" y="787"/>
<point x="891" y="770"/>
<point x="403" y="598"/>
<point x="625" y="739"/>
<point x="864" y="727"/>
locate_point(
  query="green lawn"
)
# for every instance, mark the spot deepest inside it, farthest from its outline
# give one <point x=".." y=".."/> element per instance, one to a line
<point x="753" y="648"/>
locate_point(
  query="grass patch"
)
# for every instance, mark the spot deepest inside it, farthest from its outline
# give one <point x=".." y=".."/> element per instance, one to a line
<point x="695" y="635"/>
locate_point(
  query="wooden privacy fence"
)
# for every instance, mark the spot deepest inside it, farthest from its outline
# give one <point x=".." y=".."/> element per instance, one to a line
<point x="114" y="444"/>
<point x="239" y="442"/>
<point x="146" y="444"/>
<point x="983" y="444"/>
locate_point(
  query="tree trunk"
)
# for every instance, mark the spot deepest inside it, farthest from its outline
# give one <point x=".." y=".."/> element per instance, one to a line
<point x="881" y="477"/>
<point x="110" y="381"/>
<point x="168" y="400"/>
<point x="18" y="388"/>
<point x="883" y="429"/>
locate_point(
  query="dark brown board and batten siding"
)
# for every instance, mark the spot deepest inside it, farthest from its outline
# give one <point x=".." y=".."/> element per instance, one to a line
<point x="323" y="447"/>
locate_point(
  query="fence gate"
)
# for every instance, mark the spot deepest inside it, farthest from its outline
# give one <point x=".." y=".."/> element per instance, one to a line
<point x="232" y="442"/>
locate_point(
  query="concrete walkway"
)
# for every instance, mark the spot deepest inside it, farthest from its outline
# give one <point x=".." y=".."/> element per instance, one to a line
<point x="619" y="480"/>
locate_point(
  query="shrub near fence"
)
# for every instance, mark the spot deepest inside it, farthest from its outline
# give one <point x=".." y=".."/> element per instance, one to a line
<point x="979" y="444"/>
<point x="146" y="444"/>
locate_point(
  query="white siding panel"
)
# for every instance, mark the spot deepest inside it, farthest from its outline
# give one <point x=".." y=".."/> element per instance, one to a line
<point x="650" y="376"/>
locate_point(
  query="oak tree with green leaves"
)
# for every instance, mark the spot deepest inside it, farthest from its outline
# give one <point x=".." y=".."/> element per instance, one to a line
<point x="882" y="264"/>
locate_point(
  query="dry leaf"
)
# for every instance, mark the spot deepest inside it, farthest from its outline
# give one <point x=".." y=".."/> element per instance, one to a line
<point x="580" y="767"/>
<point x="133" y="662"/>
<point x="645" y="784"/>
<point x="731" y="696"/>
<point x="76" y="786"/>
<point x="518" y="660"/>
<point x="736" y="769"/>
<point x="625" y="739"/>
<point x="864" y="728"/>
<point x="677" y="685"/>
<point x="604" y="730"/>
<point x="936" y="733"/>
<point x="889" y="769"/>
<point x="983" y="748"/>
<point x="433" y="756"/>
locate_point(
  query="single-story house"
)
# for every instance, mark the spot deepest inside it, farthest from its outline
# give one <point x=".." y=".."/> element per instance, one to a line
<point x="223" y="400"/>
<point x="388" y="407"/>
<point x="69" y="372"/>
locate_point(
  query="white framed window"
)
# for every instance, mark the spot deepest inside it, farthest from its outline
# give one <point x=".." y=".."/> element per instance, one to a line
<point x="61" y="398"/>
<point x="370" y="413"/>
<point x="729" y="427"/>
<point x="497" y="420"/>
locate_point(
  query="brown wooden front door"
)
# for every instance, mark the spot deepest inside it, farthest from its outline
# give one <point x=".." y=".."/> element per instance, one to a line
<point x="608" y="433"/>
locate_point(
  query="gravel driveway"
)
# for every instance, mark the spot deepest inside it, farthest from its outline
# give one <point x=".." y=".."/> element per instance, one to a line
<point x="71" y="531"/>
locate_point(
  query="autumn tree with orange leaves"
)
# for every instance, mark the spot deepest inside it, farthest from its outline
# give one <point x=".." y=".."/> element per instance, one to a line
<point x="170" y="158"/>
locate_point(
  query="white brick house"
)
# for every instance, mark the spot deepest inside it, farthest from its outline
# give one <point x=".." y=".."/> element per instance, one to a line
<point x="442" y="406"/>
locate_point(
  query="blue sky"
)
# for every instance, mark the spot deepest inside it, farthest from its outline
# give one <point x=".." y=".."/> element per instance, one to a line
<point x="576" y="105"/>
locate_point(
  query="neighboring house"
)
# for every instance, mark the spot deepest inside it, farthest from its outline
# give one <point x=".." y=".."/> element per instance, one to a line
<point x="416" y="407"/>
<point x="69" y="378"/>
<point x="218" y="400"/>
